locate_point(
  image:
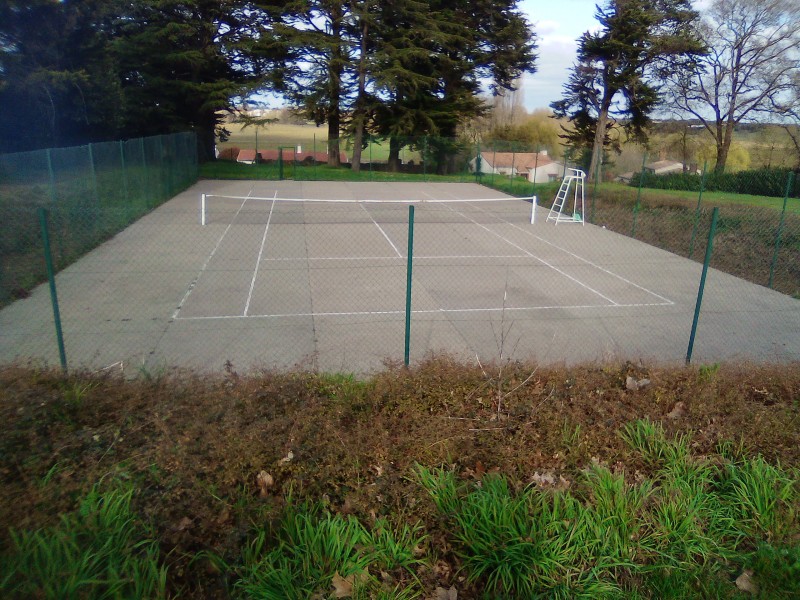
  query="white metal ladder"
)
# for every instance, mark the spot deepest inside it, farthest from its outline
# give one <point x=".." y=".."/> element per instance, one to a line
<point x="577" y="177"/>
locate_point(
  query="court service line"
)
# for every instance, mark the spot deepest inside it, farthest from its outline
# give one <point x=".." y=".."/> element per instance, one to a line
<point x="260" y="254"/>
<point x="416" y="257"/>
<point x="572" y="254"/>
<point x="543" y="261"/>
<point x="590" y="263"/>
<point x="381" y="230"/>
<point x="193" y="284"/>
<point x="422" y="312"/>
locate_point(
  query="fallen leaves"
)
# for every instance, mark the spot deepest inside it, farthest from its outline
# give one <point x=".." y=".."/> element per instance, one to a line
<point x="632" y="384"/>
<point x="745" y="582"/>
<point x="265" y="482"/>
<point x="343" y="586"/>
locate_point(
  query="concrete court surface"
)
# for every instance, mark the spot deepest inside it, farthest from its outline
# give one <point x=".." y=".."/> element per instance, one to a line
<point x="274" y="286"/>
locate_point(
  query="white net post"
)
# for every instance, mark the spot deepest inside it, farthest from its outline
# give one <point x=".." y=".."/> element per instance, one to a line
<point x="202" y="209"/>
<point x="533" y="210"/>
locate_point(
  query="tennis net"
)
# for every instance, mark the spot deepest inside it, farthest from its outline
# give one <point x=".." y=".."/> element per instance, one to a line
<point x="249" y="210"/>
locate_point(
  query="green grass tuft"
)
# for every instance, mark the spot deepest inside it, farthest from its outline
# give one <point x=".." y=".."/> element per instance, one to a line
<point x="99" y="551"/>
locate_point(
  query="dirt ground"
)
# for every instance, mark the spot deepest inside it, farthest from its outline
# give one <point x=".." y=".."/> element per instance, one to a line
<point x="193" y="446"/>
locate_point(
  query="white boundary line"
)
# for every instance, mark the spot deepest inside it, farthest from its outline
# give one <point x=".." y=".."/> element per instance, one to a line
<point x="421" y="312"/>
<point x="588" y="262"/>
<point x="258" y="260"/>
<point x="193" y="284"/>
<point x="544" y="262"/>
<point x="382" y="231"/>
<point x="526" y="254"/>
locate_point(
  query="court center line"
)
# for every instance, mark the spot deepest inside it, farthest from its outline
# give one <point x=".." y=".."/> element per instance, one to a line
<point x="260" y="254"/>
<point x="572" y="254"/>
<point x="193" y="283"/>
<point x="544" y="262"/>
<point x="381" y="230"/>
<point x="590" y="263"/>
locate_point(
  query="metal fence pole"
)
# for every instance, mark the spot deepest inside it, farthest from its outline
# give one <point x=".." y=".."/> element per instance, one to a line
<point x="94" y="175"/>
<point x="697" y="210"/>
<point x="409" y="265"/>
<point x="779" y="233"/>
<point x="638" y="196"/>
<point x="51" y="276"/>
<point x="478" y="162"/>
<point x="707" y="260"/>
<point x="124" y="171"/>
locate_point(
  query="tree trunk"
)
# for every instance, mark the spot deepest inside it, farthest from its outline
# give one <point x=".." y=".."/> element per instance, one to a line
<point x="359" y="113"/>
<point x="335" y="71"/>
<point x="724" y="146"/>
<point x="394" y="154"/>
<point x="599" y="135"/>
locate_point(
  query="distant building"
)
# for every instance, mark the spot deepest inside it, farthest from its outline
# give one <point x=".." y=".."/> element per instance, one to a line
<point x="248" y="157"/>
<point x="536" y="167"/>
<point x="660" y="167"/>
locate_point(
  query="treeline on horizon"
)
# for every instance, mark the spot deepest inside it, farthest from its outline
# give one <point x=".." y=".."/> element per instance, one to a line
<point x="75" y="72"/>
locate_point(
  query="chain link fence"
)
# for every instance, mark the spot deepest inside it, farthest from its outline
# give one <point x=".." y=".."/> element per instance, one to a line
<point x="90" y="192"/>
<point x="287" y="266"/>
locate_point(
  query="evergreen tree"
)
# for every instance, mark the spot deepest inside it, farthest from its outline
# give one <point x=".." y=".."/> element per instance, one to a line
<point x="58" y="82"/>
<point x="640" y="43"/>
<point x="179" y="65"/>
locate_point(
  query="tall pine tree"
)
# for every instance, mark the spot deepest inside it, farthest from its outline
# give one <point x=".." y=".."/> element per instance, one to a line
<point x="639" y="43"/>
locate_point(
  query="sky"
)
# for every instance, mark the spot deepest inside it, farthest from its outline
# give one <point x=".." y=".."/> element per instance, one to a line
<point x="558" y="24"/>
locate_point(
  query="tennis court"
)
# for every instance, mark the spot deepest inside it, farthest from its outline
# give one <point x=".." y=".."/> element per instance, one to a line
<point x="315" y="274"/>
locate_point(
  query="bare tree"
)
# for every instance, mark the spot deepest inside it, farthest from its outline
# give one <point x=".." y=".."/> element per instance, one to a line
<point x="790" y="110"/>
<point x="753" y="55"/>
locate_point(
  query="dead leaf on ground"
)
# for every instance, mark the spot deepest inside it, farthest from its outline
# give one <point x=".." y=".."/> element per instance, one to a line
<point x="265" y="481"/>
<point x="678" y="411"/>
<point x="633" y="384"/>
<point x="343" y="586"/>
<point x="745" y="582"/>
<point x="184" y="523"/>
<point x="288" y="458"/>
<point x="443" y="594"/>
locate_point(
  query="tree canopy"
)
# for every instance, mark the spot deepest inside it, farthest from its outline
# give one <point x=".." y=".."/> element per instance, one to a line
<point x="86" y="70"/>
<point x="618" y="69"/>
<point x="750" y="70"/>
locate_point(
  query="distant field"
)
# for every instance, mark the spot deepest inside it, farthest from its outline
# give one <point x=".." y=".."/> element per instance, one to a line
<point x="275" y="135"/>
<point x="309" y="137"/>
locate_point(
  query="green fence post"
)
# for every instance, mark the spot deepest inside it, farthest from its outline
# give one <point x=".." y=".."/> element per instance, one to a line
<point x="52" y="176"/>
<point x="424" y="157"/>
<point x="409" y="265"/>
<point x="494" y="161"/>
<point x="638" y="196"/>
<point x="478" y="162"/>
<point x="94" y="176"/>
<point x="697" y="210"/>
<point x="280" y="163"/>
<point x="315" y="157"/>
<point x="51" y="276"/>
<point x="707" y="260"/>
<point x="369" y="145"/>
<point x="146" y="186"/>
<point x="513" y="160"/>
<point x="779" y="233"/>
<point x="124" y="171"/>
